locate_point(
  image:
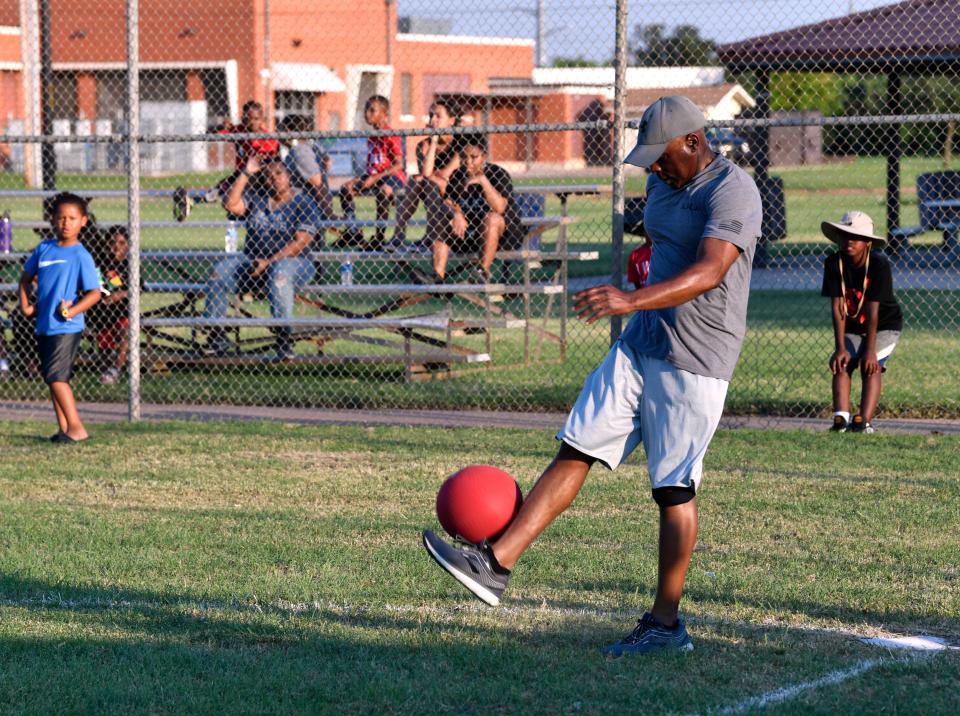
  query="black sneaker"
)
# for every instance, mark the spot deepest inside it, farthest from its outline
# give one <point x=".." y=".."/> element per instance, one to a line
<point x="859" y="425"/>
<point x="181" y="204"/>
<point x="421" y="277"/>
<point x="351" y="237"/>
<point x="840" y="424"/>
<point x="650" y="636"/>
<point x="395" y="246"/>
<point x="474" y="566"/>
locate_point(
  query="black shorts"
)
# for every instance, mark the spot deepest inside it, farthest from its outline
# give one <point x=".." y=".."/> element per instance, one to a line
<point x="57" y="355"/>
<point x="473" y="240"/>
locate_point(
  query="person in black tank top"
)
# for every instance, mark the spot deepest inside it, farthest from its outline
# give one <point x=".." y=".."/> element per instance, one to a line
<point x="438" y="156"/>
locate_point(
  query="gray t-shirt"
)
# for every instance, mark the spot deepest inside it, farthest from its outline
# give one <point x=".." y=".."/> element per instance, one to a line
<point x="304" y="162"/>
<point x="702" y="336"/>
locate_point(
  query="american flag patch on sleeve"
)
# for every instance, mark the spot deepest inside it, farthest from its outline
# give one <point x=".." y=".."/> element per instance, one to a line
<point x="733" y="226"/>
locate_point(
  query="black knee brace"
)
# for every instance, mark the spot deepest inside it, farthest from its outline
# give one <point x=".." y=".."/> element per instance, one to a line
<point x="670" y="496"/>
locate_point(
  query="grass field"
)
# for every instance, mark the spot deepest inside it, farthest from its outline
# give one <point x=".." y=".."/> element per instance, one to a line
<point x="781" y="372"/>
<point x="813" y="193"/>
<point x="255" y="568"/>
<point x="782" y="369"/>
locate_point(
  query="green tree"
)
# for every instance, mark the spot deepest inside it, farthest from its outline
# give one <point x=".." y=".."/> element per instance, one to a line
<point x="806" y="91"/>
<point x="578" y="61"/>
<point x="654" y="47"/>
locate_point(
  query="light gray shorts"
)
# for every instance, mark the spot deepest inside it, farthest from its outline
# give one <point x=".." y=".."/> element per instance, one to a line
<point x="632" y="397"/>
<point x="854" y="342"/>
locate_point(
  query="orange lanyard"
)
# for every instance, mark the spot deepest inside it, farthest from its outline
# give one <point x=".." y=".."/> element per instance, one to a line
<point x="843" y="289"/>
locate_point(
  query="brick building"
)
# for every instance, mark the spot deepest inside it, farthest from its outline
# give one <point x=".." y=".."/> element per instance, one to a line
<point x="319" y="58"/>
<point x="202" y="61"/>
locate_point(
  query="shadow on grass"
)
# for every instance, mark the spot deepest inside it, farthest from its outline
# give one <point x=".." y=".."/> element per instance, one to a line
<point x="905" y="620"/>
<point x="85" y="648"/>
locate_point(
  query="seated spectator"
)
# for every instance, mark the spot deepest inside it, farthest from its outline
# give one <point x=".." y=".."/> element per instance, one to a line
<point x="4" y="361"/>
<point x="308" y="165"/>
<point x="251" y="121"/>
<point x="438" y="157"/>
<point x="280" y="228"/>
<point x="108" y="319"/>
<point x="384" y="175"/>
<point x="481" y="213"/>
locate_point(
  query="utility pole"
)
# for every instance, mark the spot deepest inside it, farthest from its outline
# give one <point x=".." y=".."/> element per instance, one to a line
<point x="32" y="96"/>
<point x="541" y="34"/>
<point x="389" y="34"/>
<point x="619" y="177"/>
<point x="266" y="74"/>
<point x="47" y="153"/>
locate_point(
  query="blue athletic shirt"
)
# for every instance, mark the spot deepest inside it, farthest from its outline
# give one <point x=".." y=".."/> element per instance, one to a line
<point x="64" y="273"/>
<point x="269" y="230"/>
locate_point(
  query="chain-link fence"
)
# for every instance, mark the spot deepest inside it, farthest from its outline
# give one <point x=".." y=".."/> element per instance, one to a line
<point x="302" y="222"/>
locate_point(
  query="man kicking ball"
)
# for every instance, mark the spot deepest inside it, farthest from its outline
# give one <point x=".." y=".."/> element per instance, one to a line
<point x="664" y="381"/>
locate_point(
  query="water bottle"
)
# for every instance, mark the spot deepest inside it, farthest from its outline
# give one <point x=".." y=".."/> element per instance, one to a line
<point x="230" y="238"/>
<point x="6" y="234"/>
<point x="346" y="274"/>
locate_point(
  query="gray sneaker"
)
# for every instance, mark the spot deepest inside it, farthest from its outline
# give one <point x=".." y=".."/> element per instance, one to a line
<point x="474" y="566"/>
<point x="650" y="636"/>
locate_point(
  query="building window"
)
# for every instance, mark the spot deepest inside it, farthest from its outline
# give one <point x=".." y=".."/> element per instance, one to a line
<point x="163" y="86"/>
<point x="301" y="103"/>
<point x="406" y="93"/>
<point x="63" y="95"/>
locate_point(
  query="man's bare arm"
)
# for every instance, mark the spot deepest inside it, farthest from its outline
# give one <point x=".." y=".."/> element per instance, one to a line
<point x="714" y="259"/>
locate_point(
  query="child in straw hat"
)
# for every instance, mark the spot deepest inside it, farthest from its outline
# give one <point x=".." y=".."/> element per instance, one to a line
<point x="866" y="316"/>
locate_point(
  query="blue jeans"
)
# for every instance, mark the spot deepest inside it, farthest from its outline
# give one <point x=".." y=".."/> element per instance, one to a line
<point x="281" y="280"/>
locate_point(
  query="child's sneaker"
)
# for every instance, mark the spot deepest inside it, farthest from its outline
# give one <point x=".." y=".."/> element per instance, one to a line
<point x="351" y="237"/>
<point x="840" y="424"/>
<point x="395" y="246"/>
<point x="181" y="204"/>
<point x="859" y="425"/>
<point x="110" y="377"/>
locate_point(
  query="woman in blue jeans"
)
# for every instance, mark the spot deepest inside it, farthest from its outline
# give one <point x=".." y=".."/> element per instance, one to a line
<point x="280" y="227"/>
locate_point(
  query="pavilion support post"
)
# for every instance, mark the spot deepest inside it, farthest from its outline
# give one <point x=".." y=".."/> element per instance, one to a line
<point x="892" y="150"/>
<point x="761" y="163"/>
<point x="528" y="136"/>
<point x="761" y="158"/>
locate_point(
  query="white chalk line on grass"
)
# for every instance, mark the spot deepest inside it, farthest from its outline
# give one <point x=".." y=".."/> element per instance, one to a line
<point x="283" y="607"/>
<point x="288" y="608"/>
<point x="831" y="679"/>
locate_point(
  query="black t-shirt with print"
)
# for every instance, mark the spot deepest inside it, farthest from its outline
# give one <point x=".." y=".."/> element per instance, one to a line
<point x="442" y="158"/>
<point x="474" y="205"/>
<point x="878" y="286"/>
<point x="106" y="315"/>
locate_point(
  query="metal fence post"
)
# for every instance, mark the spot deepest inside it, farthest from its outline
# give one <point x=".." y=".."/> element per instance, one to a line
<point x="133" y="204"/>
<point x="619" y="124"/>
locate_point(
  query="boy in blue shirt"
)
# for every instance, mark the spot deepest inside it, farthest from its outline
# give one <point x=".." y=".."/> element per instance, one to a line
<point x="67" y="285"/>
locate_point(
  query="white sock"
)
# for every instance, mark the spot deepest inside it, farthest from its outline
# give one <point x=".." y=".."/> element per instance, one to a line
<point x="843" y="414"/>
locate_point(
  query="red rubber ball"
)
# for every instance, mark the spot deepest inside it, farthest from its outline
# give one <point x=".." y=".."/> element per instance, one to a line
<point x="478" y="502"/>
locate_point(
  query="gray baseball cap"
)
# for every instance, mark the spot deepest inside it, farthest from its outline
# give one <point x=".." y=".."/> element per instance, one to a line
<point x="664" y="120"/>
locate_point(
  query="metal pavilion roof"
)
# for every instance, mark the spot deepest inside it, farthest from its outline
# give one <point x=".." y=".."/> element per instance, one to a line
<point x="915" y="33"/>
